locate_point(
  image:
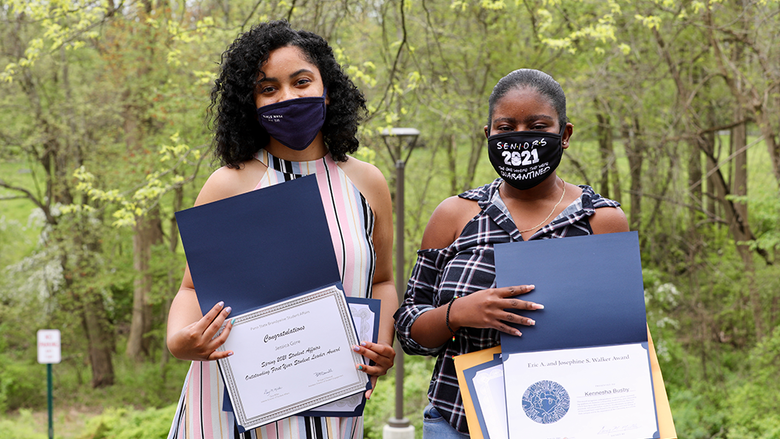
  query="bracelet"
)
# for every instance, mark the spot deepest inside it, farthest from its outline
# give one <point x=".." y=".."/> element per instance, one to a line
<point x="447" y="318"/>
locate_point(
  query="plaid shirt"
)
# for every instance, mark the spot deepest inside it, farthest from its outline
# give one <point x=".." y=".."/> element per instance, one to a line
<point x="467" y="266"/>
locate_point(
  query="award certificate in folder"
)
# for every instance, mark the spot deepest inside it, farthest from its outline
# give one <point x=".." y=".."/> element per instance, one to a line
<point x="291" y="356"/>
<point x="583" y="371"/>
<point x="365" y="315"/>
<point x="483" y="404"/>
<point x="260" y="248"/>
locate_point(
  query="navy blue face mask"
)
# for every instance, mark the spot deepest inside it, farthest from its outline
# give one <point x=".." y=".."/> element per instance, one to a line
<point x="525" y="158"/>
<point x="294" y="122"/>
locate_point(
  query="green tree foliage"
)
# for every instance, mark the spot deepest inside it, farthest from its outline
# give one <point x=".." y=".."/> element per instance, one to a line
<point x="674" y="106"/>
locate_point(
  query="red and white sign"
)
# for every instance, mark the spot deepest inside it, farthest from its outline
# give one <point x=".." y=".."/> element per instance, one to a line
<point x="49" y="346"/>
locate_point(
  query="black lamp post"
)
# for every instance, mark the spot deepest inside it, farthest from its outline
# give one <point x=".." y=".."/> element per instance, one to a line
<point x="399" y="427"/>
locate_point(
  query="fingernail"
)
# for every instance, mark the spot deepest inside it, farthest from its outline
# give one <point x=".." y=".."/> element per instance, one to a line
<point x="532" y="286"/>
<point x="362" y="343"/>
<point x="220" y="304"/>
<point x="230" y="354"/>
<point x="518" y="333"/>
<point x="360" y="367"/>
<point x="233" y="322"/>
<point x="356" y="348"/>
<point x="228" y="309"/>
<point x="531" y="322"/>
<point x="538" y="306"/>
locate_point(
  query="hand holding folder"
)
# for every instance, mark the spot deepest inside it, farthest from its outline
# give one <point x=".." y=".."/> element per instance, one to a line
<point x="255" y="250"/>
<point x="587" y="358"/>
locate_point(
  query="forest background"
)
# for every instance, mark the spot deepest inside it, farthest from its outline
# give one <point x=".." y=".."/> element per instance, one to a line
<point x="676" y="109"/>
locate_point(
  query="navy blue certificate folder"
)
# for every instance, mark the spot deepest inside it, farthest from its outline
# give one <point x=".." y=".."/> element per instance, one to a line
<point x="260" y="247"/>
<point x="591" y="287"/>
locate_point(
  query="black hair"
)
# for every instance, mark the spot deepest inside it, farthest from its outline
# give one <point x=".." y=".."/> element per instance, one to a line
<point x="238" y="136"/>
<point x="534" y="79"/>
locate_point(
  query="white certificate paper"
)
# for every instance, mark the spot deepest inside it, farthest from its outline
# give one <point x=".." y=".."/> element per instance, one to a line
<point x="489" y="387"/>
<point x="290" y="357"/>
<point x="363" y="318"/>
<point x="585" y="393"/>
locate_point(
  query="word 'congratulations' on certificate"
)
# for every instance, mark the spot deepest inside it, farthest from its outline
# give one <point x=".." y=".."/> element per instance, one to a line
<point x="290" y="357"/>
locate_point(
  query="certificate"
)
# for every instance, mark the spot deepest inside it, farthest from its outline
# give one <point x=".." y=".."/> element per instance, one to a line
<point x="485" y="403"/>
<point x="290" y="357"/>
<point x="486" y="385"/>
<point x="581" y="393"/>
<point x="583" y="370"/>
<point x="365" y="315"/>
<point x="472" y="404"/>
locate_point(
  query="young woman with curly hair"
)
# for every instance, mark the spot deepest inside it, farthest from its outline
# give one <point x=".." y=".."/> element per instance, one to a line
<point x="282" y="108"/>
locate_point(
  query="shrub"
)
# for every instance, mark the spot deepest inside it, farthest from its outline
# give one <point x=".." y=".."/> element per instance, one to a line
<point x="127" y="423"/>
<point x="755" y="400"/>
<point x="22" y="384"/>
<point x="23" y="427"/>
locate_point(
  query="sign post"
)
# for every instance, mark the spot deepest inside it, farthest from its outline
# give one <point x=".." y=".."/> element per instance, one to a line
<point x="49" y="352"/>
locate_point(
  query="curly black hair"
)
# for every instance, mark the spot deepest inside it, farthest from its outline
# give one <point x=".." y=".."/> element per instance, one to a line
<point x="238" y="135"/>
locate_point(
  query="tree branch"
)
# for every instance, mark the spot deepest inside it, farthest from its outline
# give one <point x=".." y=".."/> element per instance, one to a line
<point x="394" y="68"/>
<point x="30" y="196"/>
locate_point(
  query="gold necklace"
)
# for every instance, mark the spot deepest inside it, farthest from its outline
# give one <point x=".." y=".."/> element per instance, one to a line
<point x="551" y="212"/>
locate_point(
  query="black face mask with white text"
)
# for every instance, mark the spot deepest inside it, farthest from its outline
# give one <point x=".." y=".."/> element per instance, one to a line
<point x="525" y="158"/>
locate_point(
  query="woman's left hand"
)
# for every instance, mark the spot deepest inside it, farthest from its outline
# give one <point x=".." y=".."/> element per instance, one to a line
<point x="381" y="354"/>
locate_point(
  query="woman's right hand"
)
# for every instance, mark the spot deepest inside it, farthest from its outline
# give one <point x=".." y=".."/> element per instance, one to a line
<point x="196" y="341"/>
<point x="488" y="309"/>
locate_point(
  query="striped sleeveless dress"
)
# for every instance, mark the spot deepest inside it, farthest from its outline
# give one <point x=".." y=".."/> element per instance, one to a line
<point x="199" y="414"/>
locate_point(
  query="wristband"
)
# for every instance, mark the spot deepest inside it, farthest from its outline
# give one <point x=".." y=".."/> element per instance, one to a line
<point x="447" y="318"/>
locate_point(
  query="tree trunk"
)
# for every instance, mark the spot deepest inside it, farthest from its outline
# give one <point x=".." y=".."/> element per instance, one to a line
<point x="771" y="137"/>
<point x="635" y="152"/>
<point x="173" y="274"/>
<point x="148" y="229"/>
<point x="477" y="149"/>
<point x="695" y="176"/>
<point x="740" y="188"/>
<point x="148" y="232"/>
<point x="452" y="161"/>
<point x="607" y="154"/>
<point x="712" y="142"/>
<point x="711" y="205"/>
<point x="738" y="146"/>
<point x="89" y="305"/>
<point x="100" y="340"/>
